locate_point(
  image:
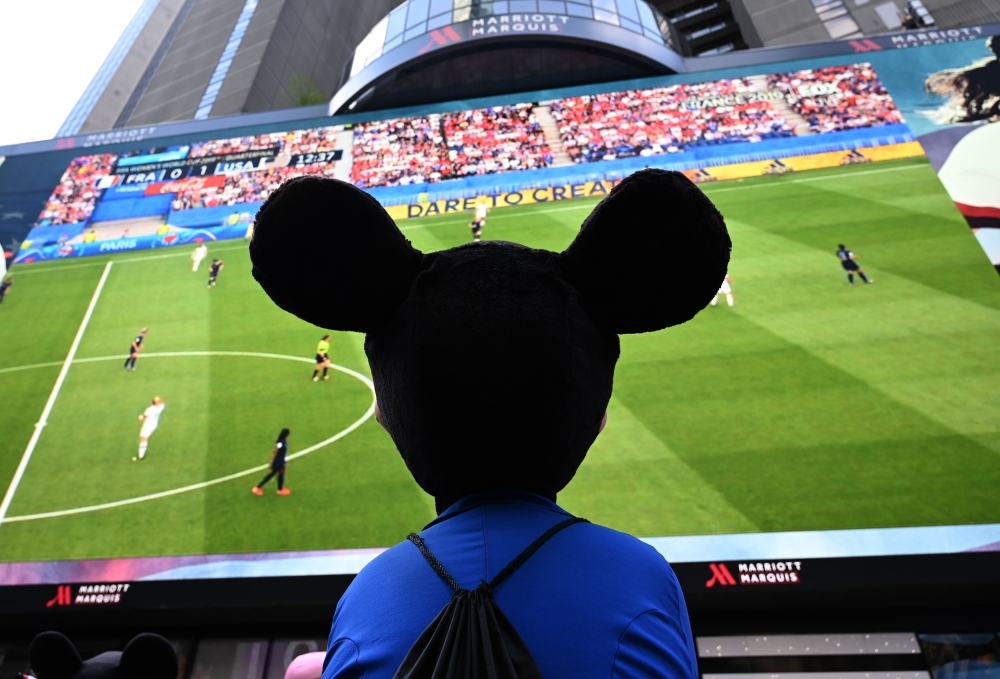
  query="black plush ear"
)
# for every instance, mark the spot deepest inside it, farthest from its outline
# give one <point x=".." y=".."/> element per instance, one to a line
<point x="651" y="255"/>
<point x="148" y="656"/>
<point x="53" y="656"/>
<point x="327" y="252"/>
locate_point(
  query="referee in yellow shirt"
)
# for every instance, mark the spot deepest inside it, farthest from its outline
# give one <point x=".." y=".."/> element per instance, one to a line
<point x="323" y="359"/>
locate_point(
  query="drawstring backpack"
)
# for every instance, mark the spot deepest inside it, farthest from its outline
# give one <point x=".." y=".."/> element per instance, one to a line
<point x="471" y="638"/>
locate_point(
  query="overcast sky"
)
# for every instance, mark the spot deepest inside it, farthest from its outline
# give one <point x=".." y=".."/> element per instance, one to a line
<point x="49" y="51"/>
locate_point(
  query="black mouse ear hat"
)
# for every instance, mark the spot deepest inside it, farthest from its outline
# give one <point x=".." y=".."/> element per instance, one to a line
<point x="493" y="362"/>
<point x="147" y="656"/>
<point x="651" y="255"/>
<point x="330" y="254"/>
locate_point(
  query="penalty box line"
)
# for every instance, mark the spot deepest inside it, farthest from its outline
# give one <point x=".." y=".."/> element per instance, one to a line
<point x="56" y="388"/>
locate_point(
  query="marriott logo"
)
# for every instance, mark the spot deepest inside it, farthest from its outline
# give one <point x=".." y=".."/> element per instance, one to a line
<point x="756" y="573"/>
<point x="88" y="594"/>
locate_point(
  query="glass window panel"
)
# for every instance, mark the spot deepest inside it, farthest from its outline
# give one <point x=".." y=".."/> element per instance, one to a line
<point x="605" y="16"/>
<point x="606" y="5"/>
<point x="627" y="10"/>
<point x="437" y="22"/>
<point x="631" y="25"/>
<point x="576" y="10"/>
<point x="417" y="13"/>
<point x="840" y="28"/>
<point x="415" y="31"/>
<point x="500" y="7"/>
<point x="397" y="21"/>
<point x="646" y="17"/>
<point x="394" y="43"/>
<point x="728" y="47"/>
<point x="463" y="10"/>
<point x="440" y="7"/>
<point x="552" y="6"/>
<point x="832" y="14"/>
<point x="653" y="35"/>
<point x="707" y="30"/>
<point x="523" y="6"/>
<point x="370" y="48"/>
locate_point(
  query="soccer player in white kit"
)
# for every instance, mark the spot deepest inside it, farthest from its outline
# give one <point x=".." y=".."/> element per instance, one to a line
<point x="727" y="290"/>
<point x="198" y="255"/>
<point x="150" y="419"/>
<point x="479" y="221"/>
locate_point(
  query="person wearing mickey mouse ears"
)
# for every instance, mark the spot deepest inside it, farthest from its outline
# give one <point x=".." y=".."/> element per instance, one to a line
<point x="504" y="582"/>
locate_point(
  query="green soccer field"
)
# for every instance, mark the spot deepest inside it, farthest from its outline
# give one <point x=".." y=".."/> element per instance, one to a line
<point x="809" y="405"/>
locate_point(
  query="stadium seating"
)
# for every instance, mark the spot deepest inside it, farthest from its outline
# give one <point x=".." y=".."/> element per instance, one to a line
<point x="73" y="200"/>
<point x="499" y="139"/>
<point x="838" y="97"/>
<point x="662" y="120"/>
<point x="257" y="186"/>
<point x="438" y="147"/>
<point x="399" y="152"/>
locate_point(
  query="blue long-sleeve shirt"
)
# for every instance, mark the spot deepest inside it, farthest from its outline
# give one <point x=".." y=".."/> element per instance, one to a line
<point x="592" y="602"/>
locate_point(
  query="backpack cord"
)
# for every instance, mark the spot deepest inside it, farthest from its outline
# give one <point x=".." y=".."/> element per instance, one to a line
<point x="508" y="569"/>
<point x="531" y="549"/>
<point x="432" y="560"/>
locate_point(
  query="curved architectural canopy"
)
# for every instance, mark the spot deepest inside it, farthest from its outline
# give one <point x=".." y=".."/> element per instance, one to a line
<point x="438" y="50"/>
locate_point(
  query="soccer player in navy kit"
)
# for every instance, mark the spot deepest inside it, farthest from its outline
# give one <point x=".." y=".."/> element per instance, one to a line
<point x="851" y="265"/>
<point x="213" y="272"/>
<point x="4" y="287"/>
<point x="278" y="464"/>
<point x="134" y="349"/>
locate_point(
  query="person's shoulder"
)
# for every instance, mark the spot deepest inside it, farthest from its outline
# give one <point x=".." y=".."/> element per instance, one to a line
<point x="622" y="547"/>
<point x="398" y="573"/>
<point x="389" y="563"/>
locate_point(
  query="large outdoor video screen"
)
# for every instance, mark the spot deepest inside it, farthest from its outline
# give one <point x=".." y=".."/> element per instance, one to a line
<point x="810" y="411"/>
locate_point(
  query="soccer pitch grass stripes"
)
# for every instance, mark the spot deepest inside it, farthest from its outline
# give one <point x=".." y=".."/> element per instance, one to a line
<point x="43" y="420"/>
<point x="809" y="406"/>
<point x="204" y="484"/>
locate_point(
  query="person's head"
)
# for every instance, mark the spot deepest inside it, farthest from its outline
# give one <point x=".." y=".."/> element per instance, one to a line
<point x="284" y="434"/>
<point x="492" y="362"/>
<point x="842" y="246"/>
<point x="157" y="400"/>
<point x="993" y="44"/>
<point x="144" y="331"/>
<point x="326" y="338"/>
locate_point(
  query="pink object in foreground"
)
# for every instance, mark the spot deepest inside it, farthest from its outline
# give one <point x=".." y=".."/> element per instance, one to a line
<point x="306" y="666"/>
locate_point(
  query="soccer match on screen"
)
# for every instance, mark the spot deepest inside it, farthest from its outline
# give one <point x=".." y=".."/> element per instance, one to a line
<point x="855" y="315"/>
<point x="500" y="339"/>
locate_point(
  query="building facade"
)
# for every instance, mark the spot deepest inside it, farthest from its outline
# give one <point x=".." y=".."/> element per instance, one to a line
<point x="193" y="59"/>
<point x="182" y="60"/>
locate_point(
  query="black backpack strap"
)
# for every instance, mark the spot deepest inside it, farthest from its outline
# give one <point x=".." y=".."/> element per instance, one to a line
<point x="531" y="549"/>
<point x="433" y="561"/>
<point x="508" y="569"/>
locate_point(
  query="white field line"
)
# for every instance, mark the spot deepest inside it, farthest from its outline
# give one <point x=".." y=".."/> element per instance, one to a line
<point x="804" y="180"/>
<point x="708" y="188"/>
<point x="222" y="479"/>
<point x="44" y="419"/>
<point x="55" y="267"/>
